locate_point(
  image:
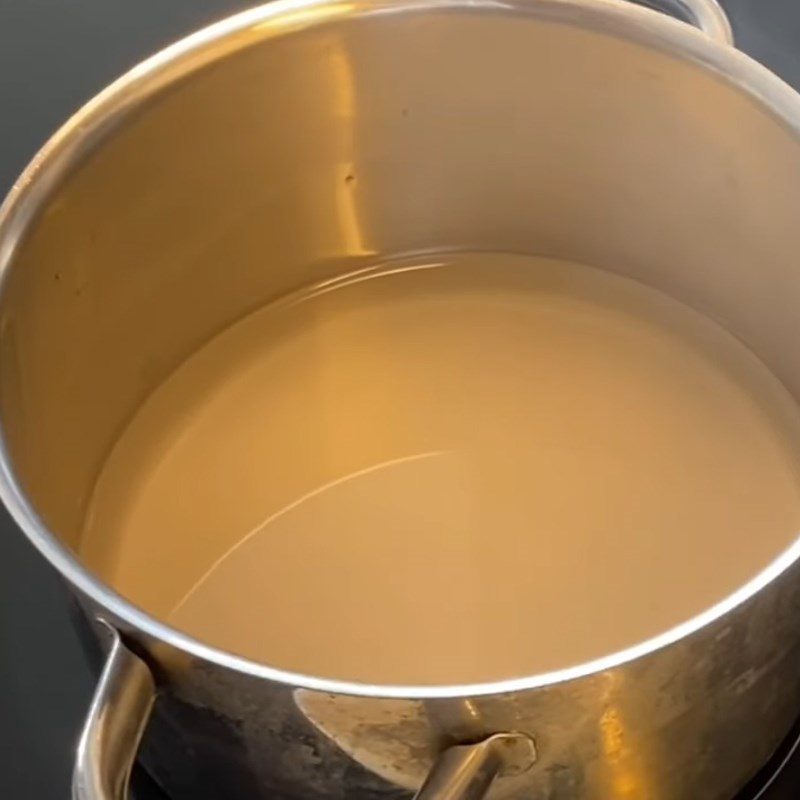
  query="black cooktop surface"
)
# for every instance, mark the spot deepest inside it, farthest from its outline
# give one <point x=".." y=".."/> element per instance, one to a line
<point x="54" y="55"/>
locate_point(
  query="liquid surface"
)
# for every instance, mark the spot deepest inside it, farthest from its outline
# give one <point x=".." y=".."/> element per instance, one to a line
<point x="450" y="471"/>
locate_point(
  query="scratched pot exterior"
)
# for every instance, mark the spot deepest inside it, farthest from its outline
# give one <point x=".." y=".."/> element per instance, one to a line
<point x="296" y="142"/>
<point x="694" y="720"/>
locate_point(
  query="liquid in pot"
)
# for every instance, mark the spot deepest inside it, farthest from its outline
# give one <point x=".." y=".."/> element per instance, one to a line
<point x="450" y="470"/>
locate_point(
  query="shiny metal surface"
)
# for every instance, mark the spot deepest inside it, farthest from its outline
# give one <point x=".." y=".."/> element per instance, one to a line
<point x="711" y="19"/>
<point x="114" y="726"/>
<point x="301" y="139"/>
<point x="466" y="771"/>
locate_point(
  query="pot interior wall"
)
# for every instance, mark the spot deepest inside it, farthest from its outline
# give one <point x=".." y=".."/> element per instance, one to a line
<point x="306" y="151"/>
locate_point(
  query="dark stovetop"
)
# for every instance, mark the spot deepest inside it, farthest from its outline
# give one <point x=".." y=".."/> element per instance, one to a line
<point x="54" y="55"/>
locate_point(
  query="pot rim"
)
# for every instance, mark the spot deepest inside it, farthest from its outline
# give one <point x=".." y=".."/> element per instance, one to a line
<point x="96" y="120"/>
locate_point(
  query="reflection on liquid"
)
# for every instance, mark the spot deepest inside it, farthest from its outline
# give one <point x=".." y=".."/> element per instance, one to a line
<point x="538" y="534"/>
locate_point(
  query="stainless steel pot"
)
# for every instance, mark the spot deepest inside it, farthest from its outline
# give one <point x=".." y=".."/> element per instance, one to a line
<point x="307" y="137"/>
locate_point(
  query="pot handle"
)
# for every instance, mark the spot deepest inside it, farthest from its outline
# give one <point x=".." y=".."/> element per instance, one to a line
<point x="466" y="771"/>
<point x="709" y="16"/>
<point x="124" y="698"/>
<point x="114" y="726"/>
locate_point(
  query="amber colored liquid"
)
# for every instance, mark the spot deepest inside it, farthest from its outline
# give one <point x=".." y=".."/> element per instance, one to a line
<point x="452" y="470"/>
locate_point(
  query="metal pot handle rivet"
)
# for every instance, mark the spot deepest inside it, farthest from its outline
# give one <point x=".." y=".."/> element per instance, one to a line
<point x="114" y="726"/>
<point x="710" y="17"/>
